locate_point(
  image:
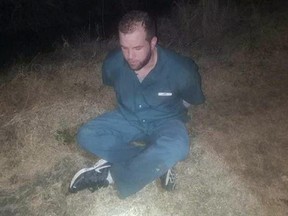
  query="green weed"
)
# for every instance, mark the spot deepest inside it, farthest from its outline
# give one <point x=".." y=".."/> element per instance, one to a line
<point x="65" y="136"/>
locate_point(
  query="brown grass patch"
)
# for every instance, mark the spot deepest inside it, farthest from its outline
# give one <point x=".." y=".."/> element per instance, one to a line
<point x="244" y="122"/>
<point x="237" y="166"/>
<point x="40" y="109"/>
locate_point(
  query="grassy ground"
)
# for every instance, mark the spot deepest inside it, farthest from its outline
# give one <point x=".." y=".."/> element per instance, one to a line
<point x="238" y="160"/>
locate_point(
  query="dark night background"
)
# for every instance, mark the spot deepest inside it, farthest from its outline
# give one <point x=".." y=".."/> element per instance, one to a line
<point x="28" y="27"/>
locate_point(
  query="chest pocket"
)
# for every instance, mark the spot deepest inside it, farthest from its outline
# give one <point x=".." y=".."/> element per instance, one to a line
<point x="160" y="95"/>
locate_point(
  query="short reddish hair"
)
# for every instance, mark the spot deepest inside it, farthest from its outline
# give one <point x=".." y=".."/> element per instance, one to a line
<point x="130" y="21"/>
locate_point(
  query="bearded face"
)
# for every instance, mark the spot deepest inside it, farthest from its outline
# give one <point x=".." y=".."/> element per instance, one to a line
<point x="136" y="50"/>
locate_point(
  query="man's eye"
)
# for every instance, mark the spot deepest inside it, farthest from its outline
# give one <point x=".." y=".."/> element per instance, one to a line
<point x="138" y="48"/>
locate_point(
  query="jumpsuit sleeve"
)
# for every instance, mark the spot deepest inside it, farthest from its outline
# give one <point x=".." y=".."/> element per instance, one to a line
<point x="107" y="77"/>
<point x="191" y="89"/>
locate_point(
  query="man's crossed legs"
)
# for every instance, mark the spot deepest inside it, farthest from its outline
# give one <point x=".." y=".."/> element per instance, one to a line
<point x="125" y="160"/>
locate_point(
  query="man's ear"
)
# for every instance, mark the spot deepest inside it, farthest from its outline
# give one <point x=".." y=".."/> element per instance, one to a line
<point x="154" y="42"/>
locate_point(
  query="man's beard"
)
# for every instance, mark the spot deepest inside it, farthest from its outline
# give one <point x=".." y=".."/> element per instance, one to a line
<point x="142" y="63"/>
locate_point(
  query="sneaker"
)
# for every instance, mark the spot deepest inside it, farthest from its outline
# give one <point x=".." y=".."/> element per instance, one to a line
<point x="91" y="178"/>
<point x="168" y="180"/>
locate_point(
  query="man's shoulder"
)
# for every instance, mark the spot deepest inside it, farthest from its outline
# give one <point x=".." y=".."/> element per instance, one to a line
<point x="112" y="62"/>
<point x="114" y="56"/>
<point x="177" y="61"/>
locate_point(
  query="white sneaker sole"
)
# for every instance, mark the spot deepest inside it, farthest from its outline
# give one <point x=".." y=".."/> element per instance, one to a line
<point x="97" y="167"/>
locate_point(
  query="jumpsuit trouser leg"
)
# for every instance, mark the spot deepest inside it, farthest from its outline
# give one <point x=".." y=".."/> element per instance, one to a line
<point x="111" y="137"/>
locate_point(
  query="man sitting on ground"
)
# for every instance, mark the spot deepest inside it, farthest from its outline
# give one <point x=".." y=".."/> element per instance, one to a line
<point x="154" y="86"/>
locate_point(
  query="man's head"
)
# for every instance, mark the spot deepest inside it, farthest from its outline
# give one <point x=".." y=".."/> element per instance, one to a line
<point x="137" y="35"/>
<point x="133" y="19"/>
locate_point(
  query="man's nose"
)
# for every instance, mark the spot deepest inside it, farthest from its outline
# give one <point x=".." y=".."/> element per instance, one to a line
<point x="130" y="54"/>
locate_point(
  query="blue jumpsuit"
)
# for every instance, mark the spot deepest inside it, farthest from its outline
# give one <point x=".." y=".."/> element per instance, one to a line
<point x="150" y="111"/>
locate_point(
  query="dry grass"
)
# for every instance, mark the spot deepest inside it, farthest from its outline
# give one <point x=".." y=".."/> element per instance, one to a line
<point x="245" y="124"/>
<point x="238" y="162"/>
<point x="37" y="106"/>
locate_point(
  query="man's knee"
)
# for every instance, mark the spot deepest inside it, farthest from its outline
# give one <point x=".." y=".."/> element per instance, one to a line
<point x="175" y="148"/>
<point x="84" y="135"/>
<point x="182" y="146"/>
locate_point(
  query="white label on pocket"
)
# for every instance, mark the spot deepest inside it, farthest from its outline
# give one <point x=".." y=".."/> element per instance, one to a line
<point x="164" y="93"/>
